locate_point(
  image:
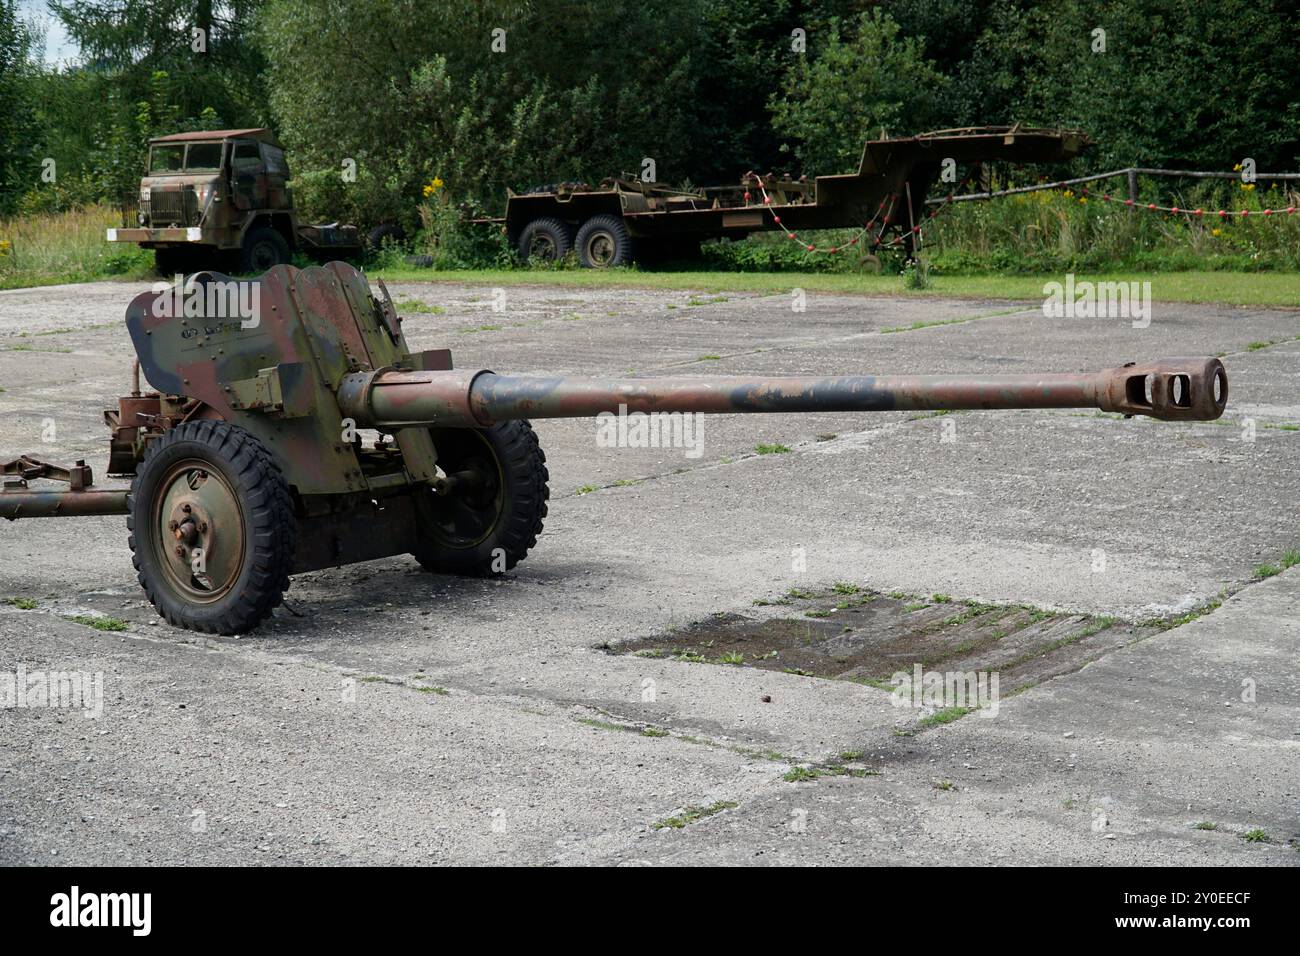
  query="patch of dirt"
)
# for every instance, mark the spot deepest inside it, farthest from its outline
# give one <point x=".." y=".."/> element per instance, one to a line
<point x="866" y="636"/>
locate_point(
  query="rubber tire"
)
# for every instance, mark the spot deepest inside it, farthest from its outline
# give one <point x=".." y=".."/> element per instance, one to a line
<point x="272" y="528"/>
<point x="616" y="229"/>
<point x="168" y="261"/>
<point x="554" y="229"/>
<point x="523" y="464"/>
<point x="385" y="230"/>
<point x="265" y="236"/>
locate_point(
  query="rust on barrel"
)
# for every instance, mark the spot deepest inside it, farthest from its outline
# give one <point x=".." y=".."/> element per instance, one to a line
<point x="1193" y="389"/>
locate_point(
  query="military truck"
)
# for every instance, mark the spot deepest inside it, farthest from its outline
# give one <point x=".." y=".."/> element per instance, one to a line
<point x="220" y="199"/>
<point x="623" y="218"/>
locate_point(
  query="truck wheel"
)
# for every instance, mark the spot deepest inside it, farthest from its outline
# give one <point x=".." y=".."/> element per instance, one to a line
<point x="490" y="510"/>
<point x="545" y="240"/>
<point x="603" y="242"/>
<point x="212" y="528"/>
<point x="264" y="248"/>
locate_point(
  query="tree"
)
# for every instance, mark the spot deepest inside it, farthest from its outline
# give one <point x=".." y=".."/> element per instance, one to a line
<point x="17" y="127"/>
<point x="854" y="86"/>
<point x="204" y="46"/>
<point x="482" y="94"/>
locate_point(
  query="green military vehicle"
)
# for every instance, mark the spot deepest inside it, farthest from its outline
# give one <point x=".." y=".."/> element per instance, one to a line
<point x="220" y="199"/>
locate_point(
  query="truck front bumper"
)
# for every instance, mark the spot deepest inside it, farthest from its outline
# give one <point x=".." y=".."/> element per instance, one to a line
<point x="174" y="234"/>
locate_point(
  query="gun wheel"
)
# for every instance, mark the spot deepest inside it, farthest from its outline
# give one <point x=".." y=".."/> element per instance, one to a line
<point x="212" y="528"/>
<point x="486" y="511"/>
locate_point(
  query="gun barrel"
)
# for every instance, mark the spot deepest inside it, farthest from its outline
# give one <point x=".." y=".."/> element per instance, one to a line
<point x="1194" y="389"/>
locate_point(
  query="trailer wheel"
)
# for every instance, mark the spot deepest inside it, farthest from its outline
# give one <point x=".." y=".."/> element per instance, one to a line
<point x="263" y="249"/>
<point x="603" y="242"/>
<point x="545" y="240"/>
<point x="212" y="528"/>
<point x="489" y="513"/>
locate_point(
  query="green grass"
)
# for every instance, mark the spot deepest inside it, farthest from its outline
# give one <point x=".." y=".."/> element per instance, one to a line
<point x="586" y="489"/>
<point x="766" y="448"/>
<point x="808" y="774"/>
<point x="97" y="622"/>
<point x="1290" y="559"/>
<point x="945" y="716"/>
<point x="67" y="247"/>
<point x="605" y="724"/>
<point x="22" y="603"/>
<point x="1256" y="836"/>
<point x="1233" y="288"/>
<point x="693" y="815"/>
<point x="418" y="307"/>
<point x="1206" y="825"/>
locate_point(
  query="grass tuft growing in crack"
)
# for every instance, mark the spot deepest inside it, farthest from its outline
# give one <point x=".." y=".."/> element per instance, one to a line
<point x="693" y="815"/>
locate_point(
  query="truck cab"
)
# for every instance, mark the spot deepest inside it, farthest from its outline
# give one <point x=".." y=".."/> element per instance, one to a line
<point x="220" y="199"/>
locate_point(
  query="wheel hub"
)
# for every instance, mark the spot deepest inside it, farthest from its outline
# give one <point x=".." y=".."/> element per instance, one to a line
<point x="264" y="256"/>
<point x="600" y="249"/>
<point x="201" y="526"/>
<point x="542" y="247"/>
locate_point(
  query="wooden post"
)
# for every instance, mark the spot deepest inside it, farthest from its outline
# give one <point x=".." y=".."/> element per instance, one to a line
<point x="1132" y="189"/>
<point x="913" y="235"/>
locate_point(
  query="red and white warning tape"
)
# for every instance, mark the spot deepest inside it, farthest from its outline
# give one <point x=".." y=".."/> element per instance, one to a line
<point x="1221" y="213"/>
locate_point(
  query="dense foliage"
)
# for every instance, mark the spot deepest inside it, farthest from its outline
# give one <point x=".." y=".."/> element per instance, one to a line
<point x="489" y="94"/>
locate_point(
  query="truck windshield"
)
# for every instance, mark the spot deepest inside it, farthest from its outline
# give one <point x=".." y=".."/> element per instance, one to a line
<point x="203" y="156"/>
<point x="166" y="159"/>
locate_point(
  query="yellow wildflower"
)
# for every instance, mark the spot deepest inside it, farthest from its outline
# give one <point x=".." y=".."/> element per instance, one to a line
<point x="1248" y="186"/>
<point x="432" y="186"/>
<point x="4" y="247"/>
<point x="1216" y="232"/>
